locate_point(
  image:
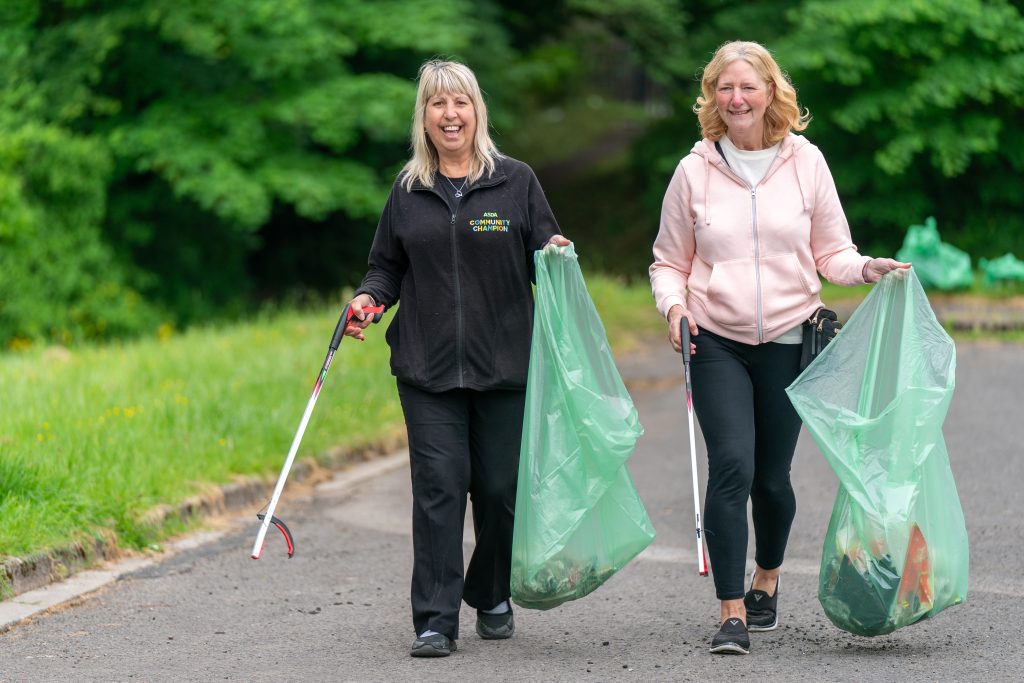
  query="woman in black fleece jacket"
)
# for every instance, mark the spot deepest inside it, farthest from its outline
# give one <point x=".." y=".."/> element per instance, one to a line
<point x="455" y="245"/>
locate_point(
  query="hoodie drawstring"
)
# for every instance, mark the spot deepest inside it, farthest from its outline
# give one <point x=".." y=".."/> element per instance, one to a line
<point x="707" y="190"/>
<point x="799" y="184"/>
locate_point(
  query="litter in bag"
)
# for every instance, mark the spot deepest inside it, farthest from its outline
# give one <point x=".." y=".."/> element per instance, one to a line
<point x="874" y="400"/>
<point x="578" y="517"/>
<point x="938" y="264"/>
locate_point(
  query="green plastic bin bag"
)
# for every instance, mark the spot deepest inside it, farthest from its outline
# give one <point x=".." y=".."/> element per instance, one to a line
<point x="939" y="265"/>
<point x="874" y="400"/>
<point x="578" y="517"/>
<point x="1005" y="269"/>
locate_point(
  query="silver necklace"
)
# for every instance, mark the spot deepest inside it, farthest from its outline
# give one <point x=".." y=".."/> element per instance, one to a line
<point x="458" y="190"/>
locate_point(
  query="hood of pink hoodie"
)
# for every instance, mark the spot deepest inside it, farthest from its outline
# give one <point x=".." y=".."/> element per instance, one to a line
<point x="788" y="147"/>
<point x="745" y="261"/>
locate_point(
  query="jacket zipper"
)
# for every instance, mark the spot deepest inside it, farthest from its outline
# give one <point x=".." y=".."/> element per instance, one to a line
<point x="758" y="303"/>
<point x="459" y="327"/>
<point x="757" y="264"/>
<point x="458" y="303"/>
<point x="759" y="296"/>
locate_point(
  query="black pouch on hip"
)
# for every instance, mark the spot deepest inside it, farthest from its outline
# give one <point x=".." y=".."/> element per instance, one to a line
<point x="819" y="330"/>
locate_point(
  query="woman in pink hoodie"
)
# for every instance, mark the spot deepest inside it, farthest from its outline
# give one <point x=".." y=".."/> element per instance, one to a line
<point x="750" y="217"/>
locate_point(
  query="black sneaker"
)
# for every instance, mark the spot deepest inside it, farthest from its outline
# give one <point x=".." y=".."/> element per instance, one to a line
<point x="495" y="626"/>
<point x="762" y="609"/>
<point x="731" y="639"/>
<point x="435" y="645"/>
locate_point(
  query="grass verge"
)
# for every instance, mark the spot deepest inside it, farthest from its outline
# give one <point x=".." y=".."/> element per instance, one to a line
<point x="92" y="439"/>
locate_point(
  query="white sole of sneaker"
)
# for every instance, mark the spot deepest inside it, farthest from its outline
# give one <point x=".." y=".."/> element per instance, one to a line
<point x="729" y="649"/>
<point x="757" y="629"/>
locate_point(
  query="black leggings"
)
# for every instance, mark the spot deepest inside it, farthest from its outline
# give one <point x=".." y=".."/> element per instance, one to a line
<point x="751" y="430"/>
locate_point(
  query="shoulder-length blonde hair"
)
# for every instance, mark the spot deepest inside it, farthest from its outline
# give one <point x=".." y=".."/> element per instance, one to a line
<point x="783" y="113"/>
<point x="446" y="77"/>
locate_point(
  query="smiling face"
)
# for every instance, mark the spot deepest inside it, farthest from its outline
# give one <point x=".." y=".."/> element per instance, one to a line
<point x="742" y="97"/>
<point x="450" y="122"/>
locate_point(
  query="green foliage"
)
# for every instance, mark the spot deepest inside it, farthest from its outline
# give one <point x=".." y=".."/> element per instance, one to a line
<point x="58" y="279"/>
<point x="226" y="152"/>
<point x="583" y="88"/>
<point x="653" y="29"/>
<point x="206" y="124"/>
<point x="922" y="103"/>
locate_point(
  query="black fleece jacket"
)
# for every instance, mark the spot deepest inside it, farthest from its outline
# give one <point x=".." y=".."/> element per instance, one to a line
<point x="463" y="277"/>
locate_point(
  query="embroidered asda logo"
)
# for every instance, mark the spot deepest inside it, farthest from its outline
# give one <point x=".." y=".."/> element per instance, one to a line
<point x="489" y="222"/>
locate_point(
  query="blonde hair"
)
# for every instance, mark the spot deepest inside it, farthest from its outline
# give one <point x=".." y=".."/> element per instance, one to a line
<point x="446" y="77"/>
<point x="783" y="113"/>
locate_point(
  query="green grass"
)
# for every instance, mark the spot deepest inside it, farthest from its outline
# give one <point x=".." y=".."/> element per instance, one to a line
<point x="627" y="311"/>
<point x="92" y="439"/>
<point x="831" y="294"/>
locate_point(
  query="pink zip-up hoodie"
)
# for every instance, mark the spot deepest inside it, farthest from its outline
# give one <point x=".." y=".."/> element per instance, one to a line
<point x="744" y="261"/>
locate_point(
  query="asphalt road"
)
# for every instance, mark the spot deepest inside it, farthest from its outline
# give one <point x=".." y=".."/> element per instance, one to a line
<point x="339" y="610"/>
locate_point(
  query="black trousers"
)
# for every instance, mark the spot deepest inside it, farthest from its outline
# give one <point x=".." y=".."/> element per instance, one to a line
<point x="751" y="429"/>
<point x="461" y="441"/>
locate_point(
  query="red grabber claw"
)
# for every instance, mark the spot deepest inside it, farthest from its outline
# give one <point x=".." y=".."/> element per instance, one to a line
<point x="279" y="523"/>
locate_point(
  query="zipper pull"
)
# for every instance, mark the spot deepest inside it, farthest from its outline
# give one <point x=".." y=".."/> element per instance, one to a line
<point x="453" y="219"/>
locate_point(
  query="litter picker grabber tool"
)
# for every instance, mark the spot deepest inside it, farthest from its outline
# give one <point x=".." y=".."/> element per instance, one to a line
<point x="267" y="518"/>
<point x="702" y="559"/>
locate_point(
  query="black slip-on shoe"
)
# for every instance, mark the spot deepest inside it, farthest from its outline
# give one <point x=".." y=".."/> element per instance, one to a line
<point x="435" y="645"/>
<point x="495" y="626"/>
<point x="762" y="609"/>
<point x="731" y="639"/>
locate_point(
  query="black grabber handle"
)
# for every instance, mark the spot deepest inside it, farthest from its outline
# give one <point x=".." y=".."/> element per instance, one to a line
<point x="346" y="315"/>
<point x="684" y="333"/>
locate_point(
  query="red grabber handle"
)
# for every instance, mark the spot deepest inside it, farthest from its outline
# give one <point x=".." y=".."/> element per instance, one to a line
<point x="684" y="334"/>
<point x="346" y="315"/>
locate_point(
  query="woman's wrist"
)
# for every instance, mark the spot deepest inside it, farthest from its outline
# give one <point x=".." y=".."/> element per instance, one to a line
<point x="864" y="271"/>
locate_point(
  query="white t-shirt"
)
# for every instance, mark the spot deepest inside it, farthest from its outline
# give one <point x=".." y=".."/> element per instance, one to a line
<point x="751" y="165"/>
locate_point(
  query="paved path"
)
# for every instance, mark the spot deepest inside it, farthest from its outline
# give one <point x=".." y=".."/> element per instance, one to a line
<point x="339" y="610"/>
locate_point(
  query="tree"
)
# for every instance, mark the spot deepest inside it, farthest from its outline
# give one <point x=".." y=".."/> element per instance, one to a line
<point x="918" y="106"/>
<point x="59" y="280"/>
<point x="201" y="129"/>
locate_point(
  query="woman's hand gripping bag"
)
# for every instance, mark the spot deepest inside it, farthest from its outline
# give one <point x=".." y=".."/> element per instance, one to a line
<point x="874" y="401"/>
<point x="578" y="517"/>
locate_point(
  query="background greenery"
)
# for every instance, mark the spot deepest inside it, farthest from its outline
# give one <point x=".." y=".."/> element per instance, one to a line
<point x="166" y="162"/>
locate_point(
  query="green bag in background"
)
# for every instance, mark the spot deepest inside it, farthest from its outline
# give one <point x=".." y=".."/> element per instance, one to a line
<point x="938" y="264"/>
<point x="1006" y="268"/>
<point x="578" y="516"/>
<point x="874" y="400"/>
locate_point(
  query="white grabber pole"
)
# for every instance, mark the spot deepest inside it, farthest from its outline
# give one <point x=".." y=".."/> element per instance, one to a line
<point x="268" y="517"/>
<point x="702" y="559"/>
